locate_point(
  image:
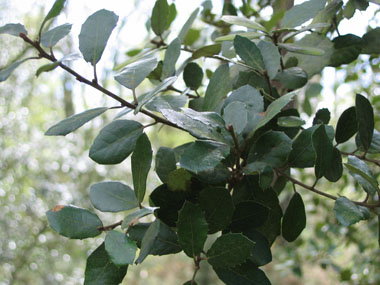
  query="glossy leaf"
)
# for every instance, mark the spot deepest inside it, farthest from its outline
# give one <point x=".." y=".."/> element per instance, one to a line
<point x="292" y="78"/>
<point x="120" y="248"/>
<point x="112" y="196"/>
<point x="74" y="222"/>
<point x="133" y="218"/>
<point x="141" y="162"/>
<point x="242" y="21"/>
<point x="54" y="11"/>
<point x="271" y="57"/>
<point x="148" y="240"/>
<point x="335" y="171"/>
<point x="47" y="67"/>
<point x="231" y="37"/>
<point x="7" y="71"/>
<point x="236" y="115"/>
<point x="323" y="149"/>
<point x="115" y="142"/>
<point x="365" y="119"/>
<point x="301" y="13"/>
<point x="179" y="180"/>
<point x="159" y="20"/>
<point x="173" y="102"/>
<point x="371" y="42"/>
<point x="347" y="125"/>
<point x="249" y="52"/>
<point x="322" y="117"/>
<point x="101" y="270"/>
<point x="192" y="229"/>
<point x="74" y="122"/>
<point x="303" y="154"/>
<point x="165" y="163"/>
<point x="360" y="171"/>
<point x="187" y="26"/>
<point x="348" y="213"/>
<point x="290" y="121"/>
<point x="294" y="220"/>
<point x="261" y="253"/>
<point x="307" y="50"/>
<point x="53" y="36"/>
<point x="95" y="33"/>
<point x="193" y="75"/>
<point x="13" y="29"/>
<point x="375" y="143"/>
<point x="249" y="214"/>
<point x="346" y="49"/>
<point x="171" y="56"/>
<point x="205" y="51"/>
<point x="229" y="250"/>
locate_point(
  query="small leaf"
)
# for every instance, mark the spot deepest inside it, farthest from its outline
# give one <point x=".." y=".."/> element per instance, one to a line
<point x="171" y="56"/>
<point x="115" y="142"/>
<point x="301" y="13"/>
<point x="303" y="154"/>
<point x="165" y="163"/>
<point x="101" y="270"/>
<point x="371" y="42"/>
<point x="173" y="102"/>
<point x="322" y="117"/>
<point x="360" y="171"/>
<point x="302" y="49"/>
<point x="13" y="29"/>
<point x="141" y="162"/>
<point x="193" y="75"/>
<point x="53" y="12"/>
<point x="249" y="53"/>
<point x="231" y="37"/>
<point x="365" y="119"/>
<point x="348" y="213"/>
<point x="95" y="33"/>
<point x="242" y="21"/>
<point x="74" y="122"/>
<point x="74" y="222"/>
<point x="112" y="196"/>
<point x="148" y="240"/>
<point x="290" y="121"/>
<point x="292" y="78"/>
<point x="206" y="51"/>
<point x="229" y="250"/>
<point x="271" y="57"/>
<point x="261" y="253"/>
<point x="159" y="20"/>
<point x="249" y="214"/>
<point x="179" y="180"/>
<point x="323" y="149"/>
<point x="375" y="143"/>
<point x="7" y="71"/>
<point x="133" y="218"/>
<point x="346" y="49"/>
<point x="47" y="67"/>
<point x="294" y="220"/>
<point x="335" y="171"/>
<point x="120" y="248"/>
<point x="192" y="229"/>
<point x="236" y="115"/>
<point x="187" y="26"/>
<point x="347" y="125"/>
<point x="136" y="72"/>
<point x="53" y="36"/>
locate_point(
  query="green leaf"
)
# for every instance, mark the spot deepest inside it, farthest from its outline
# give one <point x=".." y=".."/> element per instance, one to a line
<point x="249" y="214"/>
<point x="136" y="72"/>
<point x="47" y="67"/>
<point x="261" y="253"/>
<point x="218" y="88"/>
<point x="271" y="57"/>
<point x="218" y="206"/>
<point x="242" y="21"/>
<point x="307" y="50"/>
<point x="290" y="121"/>
<point x="348" y="213"/>
<point x="187" y="26"/>
<point x="171" y="56"/>
<point x="7" y="71"/>
<point x="323" y="149"/>
<point x="173" y="102"/>
<point x="371" y="42"/>
<point x="203" y="155"/>
<point x="292" y="78"/>
<point x="74" y="122"/>
<point x="375" y="143"/>
<point x="165" y="163"/>
<point x="13" y="29"/>
<point x="133" y="218"/>
<point x="347" y="125"/>
<point x="53" y="36"/>
<point x="231" y="37"/>
<point x="192" y="36"/>
<point x="100" y="269"/>
<point x="335" y="171"/>
<point x="141" y="162"/>
<point x="322" y="117"/>
<point x="303" y="154"/>
<point x="360" y="171"/>
<point x="74" y="222"/>
<point x="148" y="240"/>
<point x="95" y="33"/>
<point x="365" y="119"/>
<point x="53" y="12"/>
<point x="346" y="49"/>
<point x="120" y="248"/>
<point x="193" y="75"/>
<point x="229" y="250"/>
<point x="301" y="13"/>
<point x="179" y="180"/>
<point x="112" y="196"/>
<point x="294" y="220"/>
<point x="206" y="51"/>
<point x="159" y="20"/>
<point x="249" y="52"/>
<point x="172" y="15"/>
<point x="192" y="229"/>
<point x="236" y="115"/>
<point x="115" y="142"/>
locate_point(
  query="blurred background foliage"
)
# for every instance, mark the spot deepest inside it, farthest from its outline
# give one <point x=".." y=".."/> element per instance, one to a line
<point x="38" y="172"/>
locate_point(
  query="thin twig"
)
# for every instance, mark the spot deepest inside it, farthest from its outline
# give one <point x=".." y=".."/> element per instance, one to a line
<point x="110" y="227"/>
<point x="362" y="157"/>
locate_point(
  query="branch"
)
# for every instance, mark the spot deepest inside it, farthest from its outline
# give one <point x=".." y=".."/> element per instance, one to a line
<point x="362" y="157"/>
<point x="110" y="227"/>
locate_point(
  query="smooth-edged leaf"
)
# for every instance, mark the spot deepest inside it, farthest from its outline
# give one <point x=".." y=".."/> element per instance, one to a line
<point x="290" y="121"/>
<point x="74" y="222"/>
<point x="171" y="56"/>
<point x="346" y="49"/>
<point x="136" y="72"/>
<point x="192" y="229"/>
<point x="100" y="270"/>
<point x="54" y="11"/>
<point x="249" y="52"/>
<point x="312" y="27"/>
<point x="347" y="125"/>
<point x="365" y="119"/>
<point x="171" y="15"/>
<point x="13" y="29"/>
<point x="375" y="143"/>
<point x="218" y="88"/>
<point x="229" y="250"/>
<point x="261" y="253"/>
<point x="292" y="78"/>
<point x="120" y="248"/>
<point x="95" y="33"/>
<point x="371" y="42"/>
<point x="74" y="122"/>
<point x="179" y="180"/>
<point x="249" y="214"/>
<point x="323" y="149"/>
<point x="307" y="50"/>
<point x="165" y="163"/>
<point x="156" y="90"/>
<point x="133" y="218"/>
<point x="294" y="220"/>
<point x="335" y="171"/>
<point x="245" y="274"/>
<point x="360" y="171"/>
<point x="53" y="36"/>
<point x="236" y="115"/>
<point x="303" y="154"/>
<point x="148" y="240"/>
<point x="187" y="26"/>
<point x="218" y="206"/>
<point x="271" y="57"/>
<point x="203" y="155"/>
<point x="115" y="142"/>
<point x="173" y="102"/>
<point x="206" y="51"/>
<point x="242" y="21"/>
<point x="159" y="20"/>
<point x="141" y="161"/>
<point x="7" y="71"/>
<point x="301" y="13"/>
<point x="322" y="117"/>
<point x="47" y="67"/>
<point x="348" y="213"/>
<point x="193" y="75"/>
<point x="112" y="196"/>
<point x="231" y="37"/>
